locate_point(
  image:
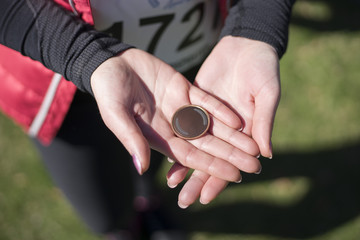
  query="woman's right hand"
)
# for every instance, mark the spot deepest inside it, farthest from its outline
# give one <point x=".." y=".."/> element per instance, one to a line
<point x="137" y="94"/>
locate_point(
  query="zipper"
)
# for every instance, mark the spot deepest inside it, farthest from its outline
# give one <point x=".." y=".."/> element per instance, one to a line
<point x="72" y="5"/>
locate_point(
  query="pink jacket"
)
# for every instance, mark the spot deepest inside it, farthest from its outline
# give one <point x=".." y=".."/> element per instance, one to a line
<point x="32" y="95"/>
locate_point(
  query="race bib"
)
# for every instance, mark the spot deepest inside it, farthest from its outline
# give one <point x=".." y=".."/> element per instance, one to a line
<point x="180" y="32"/>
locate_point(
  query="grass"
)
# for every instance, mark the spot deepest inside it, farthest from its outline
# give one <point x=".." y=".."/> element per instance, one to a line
<point x="310" y="190"/>
<point x="31" y="208"/>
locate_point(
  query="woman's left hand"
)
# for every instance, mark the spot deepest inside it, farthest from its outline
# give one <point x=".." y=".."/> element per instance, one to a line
<point x="243" y="74"/>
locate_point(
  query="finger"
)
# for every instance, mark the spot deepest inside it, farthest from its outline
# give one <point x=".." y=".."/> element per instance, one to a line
<point x="211" y="189"/>
<point x="190" y="156"/>
<point x="266" y="104"/>
<point x="218" y="109"/>
<point x="176" y="175"/>
<point x="192" y="189"/>
<point x="234" y="137"/>
<point x="223" y="150"/>
<point x="125" y="128"/>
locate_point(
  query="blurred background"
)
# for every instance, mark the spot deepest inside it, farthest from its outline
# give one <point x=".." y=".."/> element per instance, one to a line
<point x="309" y="190"/>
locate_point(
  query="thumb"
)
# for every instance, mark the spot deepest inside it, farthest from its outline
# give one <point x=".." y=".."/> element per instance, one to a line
<point x="122" y="123"/>
<point x="264" y="114"/>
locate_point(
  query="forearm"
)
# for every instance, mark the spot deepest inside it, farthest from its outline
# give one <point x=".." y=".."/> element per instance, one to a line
<point x="263" y="20"/>
<point x="61" y="41"/>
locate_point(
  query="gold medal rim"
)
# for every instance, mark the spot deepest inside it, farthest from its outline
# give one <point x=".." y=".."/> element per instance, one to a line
<point x="187" y="106"/>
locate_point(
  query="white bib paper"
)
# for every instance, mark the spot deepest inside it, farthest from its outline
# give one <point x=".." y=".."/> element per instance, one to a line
<point x="180" y="32"/>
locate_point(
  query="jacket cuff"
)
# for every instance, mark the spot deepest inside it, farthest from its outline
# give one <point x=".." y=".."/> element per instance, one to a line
<point x="262" y="20"/>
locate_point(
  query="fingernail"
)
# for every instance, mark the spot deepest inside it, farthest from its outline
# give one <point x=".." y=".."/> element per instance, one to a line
<point x="171" y="185"/>
<point x="258" y="172"/>
<point x="170" y="160"/>
<point x="203" y="202"/>
<point x="258" y="156"/>
<point x="137" y="164"/>
<point x="238" y="181"/>
<point x="182" y="206"/>
<point x="271" y="150"/>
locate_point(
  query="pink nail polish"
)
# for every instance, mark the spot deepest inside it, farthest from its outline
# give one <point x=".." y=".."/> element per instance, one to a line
<point x="137" y="164"/>
<point x="271" y="150"/>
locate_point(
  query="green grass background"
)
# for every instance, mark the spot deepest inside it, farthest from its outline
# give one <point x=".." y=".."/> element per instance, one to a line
<point x="309" y="190"/>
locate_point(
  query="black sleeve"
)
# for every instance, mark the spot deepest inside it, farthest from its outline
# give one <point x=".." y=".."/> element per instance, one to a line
<point x="263" y="20"/>
<point x="46" y="32"/>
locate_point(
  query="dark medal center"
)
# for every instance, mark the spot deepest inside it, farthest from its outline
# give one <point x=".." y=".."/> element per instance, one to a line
<point x="190" y="122"/>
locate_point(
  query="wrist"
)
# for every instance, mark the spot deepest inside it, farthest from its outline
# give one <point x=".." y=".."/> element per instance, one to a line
<point x="247" y="43"/>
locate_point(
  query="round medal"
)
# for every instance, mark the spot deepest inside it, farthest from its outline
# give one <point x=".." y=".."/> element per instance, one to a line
<point x="190" y="122"/>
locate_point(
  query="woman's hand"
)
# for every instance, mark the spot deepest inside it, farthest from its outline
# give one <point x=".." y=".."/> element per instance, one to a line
<point x="137" y="95"/>
<point x="243" y="74"/>
<point x="246" y="78"/>
<point x="202" y="185"/>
